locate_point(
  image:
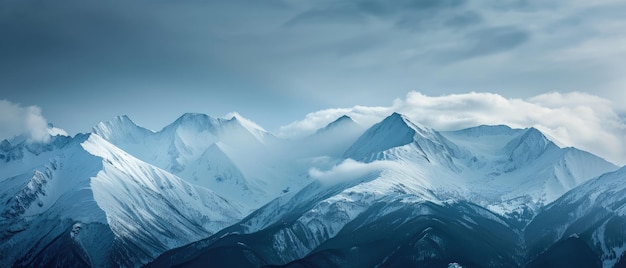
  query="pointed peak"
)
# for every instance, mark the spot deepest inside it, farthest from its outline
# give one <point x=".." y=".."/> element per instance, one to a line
<point x="395" y="117"/>
<point x="344" y="118"/>
<point x="245" y="122"/>
<point x="342" y="122"/>
<point x="528" y="146"/>
<point x="393" y="131"/>
<point x="534" y="134"/>
<point x="402" y="120"/>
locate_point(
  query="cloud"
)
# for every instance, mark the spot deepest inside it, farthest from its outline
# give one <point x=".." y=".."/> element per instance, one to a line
<point x="17" y="120"/>
<point x="405" y="14"/>
<point x="581" y="120"/>
<point x="464" y="19"/>
<point x="349" y="170"/>
<point x="484" y="42"/>
<point x="219" y="56"/>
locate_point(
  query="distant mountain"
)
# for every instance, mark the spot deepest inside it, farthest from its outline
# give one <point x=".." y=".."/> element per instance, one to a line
<point x="231" y="156"/>
<point x="341" y="124"/>
<point x="332" y="140"/>
<point x="515" y="172"/>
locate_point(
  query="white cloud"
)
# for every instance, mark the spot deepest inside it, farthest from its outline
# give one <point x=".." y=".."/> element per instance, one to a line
<point x="349" y="170"/>
<point x="585" y="121"/>
<point x="18" y="120"/>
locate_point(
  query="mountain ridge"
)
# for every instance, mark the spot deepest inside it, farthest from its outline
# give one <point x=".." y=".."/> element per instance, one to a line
<point x="297" y="226"/>
<point x="205" y="187"/>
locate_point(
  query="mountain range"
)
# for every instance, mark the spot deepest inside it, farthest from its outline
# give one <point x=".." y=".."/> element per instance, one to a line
<point x="224" y="192"/>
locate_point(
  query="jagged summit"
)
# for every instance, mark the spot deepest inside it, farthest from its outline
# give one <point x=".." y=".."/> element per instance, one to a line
<point x="121" y="129"/>
<point x="247" y="123"/>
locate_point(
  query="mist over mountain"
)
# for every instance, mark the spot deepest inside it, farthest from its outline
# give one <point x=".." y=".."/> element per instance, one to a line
<point x="222" y="192"/>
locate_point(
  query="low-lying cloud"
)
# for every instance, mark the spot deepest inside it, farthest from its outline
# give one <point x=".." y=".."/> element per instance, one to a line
<point x="581" y="120"/>
<point x="349" y="170"/>
<point x="17" y="120"/>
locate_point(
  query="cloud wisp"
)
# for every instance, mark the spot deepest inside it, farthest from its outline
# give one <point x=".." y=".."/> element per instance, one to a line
<point x="17" y="120"/>
<point x="349" y="170"/>
<point x="581" y="120"/>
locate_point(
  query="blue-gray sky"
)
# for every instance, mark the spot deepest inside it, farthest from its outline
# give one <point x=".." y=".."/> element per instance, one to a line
<point x="85" y="61"/>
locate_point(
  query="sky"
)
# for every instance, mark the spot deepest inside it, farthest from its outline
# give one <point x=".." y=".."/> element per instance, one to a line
<point x="78" y="62"/>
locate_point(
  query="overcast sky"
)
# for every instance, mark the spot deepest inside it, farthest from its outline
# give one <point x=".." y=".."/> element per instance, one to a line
<point x="85" y="61"/>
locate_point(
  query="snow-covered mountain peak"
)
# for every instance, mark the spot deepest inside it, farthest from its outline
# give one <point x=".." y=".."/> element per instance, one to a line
<point x="393" y="131"/>
<point x="397" y="131"/>
<point x="120" y="121"/>
<point x="343" y="123"/>
<point x="342" y="119"/>
<point x="220" y="128"/>
<point x="251" y="126"/>
<point x="527" y="147"/>
<point x="531" y="135"/>
<point x="121" y="130"/>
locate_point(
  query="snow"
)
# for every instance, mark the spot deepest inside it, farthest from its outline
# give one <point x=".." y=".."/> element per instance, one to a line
<point x="227" y="155"/>
<point x="512" y="172"/>
<point x="259" y="132"/>
<point x="89" y="181"/>
<point x="55" y="131"/>
<point x="603" y="192"/>
<point x="198" y="175"/>
<point x="392" y="132"/>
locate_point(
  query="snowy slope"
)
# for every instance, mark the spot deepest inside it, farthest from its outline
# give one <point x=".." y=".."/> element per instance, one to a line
<point x="101" y="206"/>
<point x="508" y="173"/>
<point x="412" y="195"/>
<point x="231" y="156"/>
<point x="397" y="138"/>
<point x="594" y="211"/>
<point x="514" y="172"/>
